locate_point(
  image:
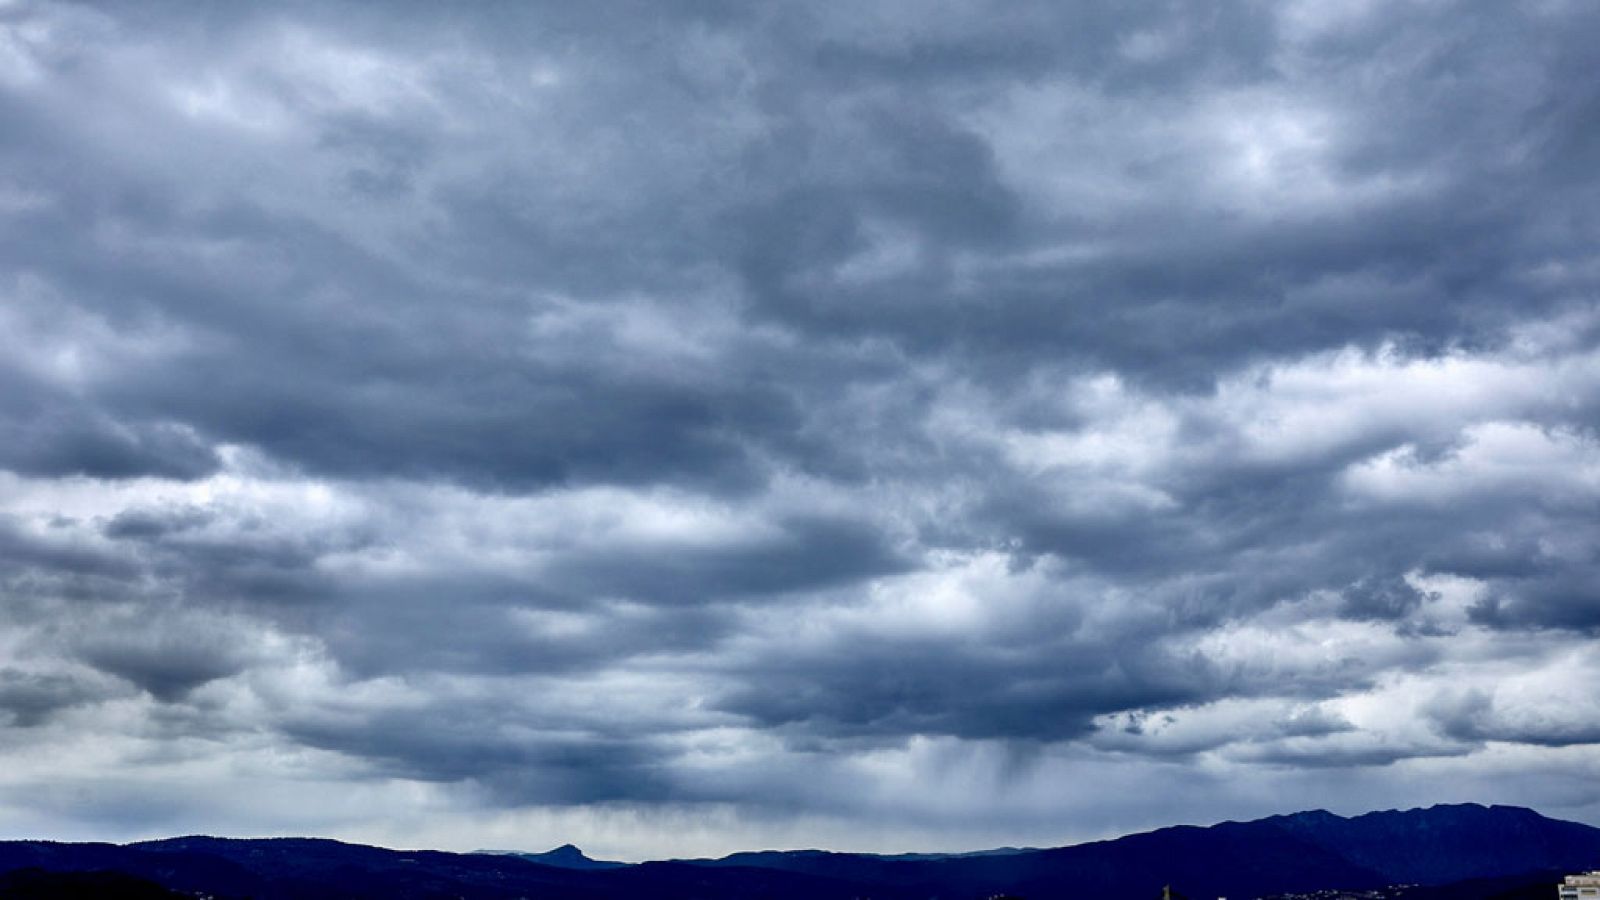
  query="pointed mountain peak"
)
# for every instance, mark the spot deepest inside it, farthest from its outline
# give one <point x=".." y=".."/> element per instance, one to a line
<point x="570" y="857"/>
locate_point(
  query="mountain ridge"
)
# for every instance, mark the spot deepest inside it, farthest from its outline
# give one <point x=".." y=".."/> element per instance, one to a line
<point x="566" y="856"/>
<point x="1290" y="854"/>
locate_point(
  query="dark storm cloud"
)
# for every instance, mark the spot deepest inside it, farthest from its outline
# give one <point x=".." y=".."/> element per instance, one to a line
<point x="885" y="148"/>
<point x="31" y="699"/>
<point x="1158" y="381"/>
<point x="1184" y="293"/>
<point x="152" y="524"/>
<point x="807" y="553"/>
<point x="518" y="766"/>
<point x="1473" y="717"/>
<point x="1323" y="757"/>
<point x="1559" y="596"/>
<point x="377" y="634"/>
<point x="106" y="449"/>
<point x="55" y="563"/>
<point x="905" y="688"/>
<point x="47" y="433"/>
<point x="168" y="671"/>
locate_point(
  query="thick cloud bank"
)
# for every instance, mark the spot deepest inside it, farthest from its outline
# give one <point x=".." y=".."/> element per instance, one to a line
<point x="680" y="426"/>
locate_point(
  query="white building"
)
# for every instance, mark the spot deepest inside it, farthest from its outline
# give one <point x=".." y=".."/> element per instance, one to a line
<point x="1585" y="886"/>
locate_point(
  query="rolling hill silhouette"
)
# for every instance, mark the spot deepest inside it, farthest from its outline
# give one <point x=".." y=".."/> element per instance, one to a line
<point x="1455" y="852"/>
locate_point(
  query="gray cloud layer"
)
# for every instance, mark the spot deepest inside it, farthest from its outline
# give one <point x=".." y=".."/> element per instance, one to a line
<point x="662" y="424"/>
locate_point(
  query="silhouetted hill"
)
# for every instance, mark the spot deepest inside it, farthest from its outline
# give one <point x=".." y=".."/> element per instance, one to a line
<point x="568" y="856"/>
<point x="1447" y="843"/>
<point x="38" y="884"/>
<point x="1303" y="852"/>
<point x="1443" y="853"/>
<point x="1231" y="859"/>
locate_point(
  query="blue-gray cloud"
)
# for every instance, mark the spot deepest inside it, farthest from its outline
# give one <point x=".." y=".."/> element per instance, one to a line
<point x="651" y="405"/>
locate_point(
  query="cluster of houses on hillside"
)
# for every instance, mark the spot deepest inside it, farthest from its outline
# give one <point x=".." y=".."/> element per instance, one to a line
<point x="1574" y="887"/>
<point x="1585" y="886"/>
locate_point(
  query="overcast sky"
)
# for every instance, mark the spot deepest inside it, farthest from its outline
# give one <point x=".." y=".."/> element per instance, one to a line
<point x="679" y="427"/>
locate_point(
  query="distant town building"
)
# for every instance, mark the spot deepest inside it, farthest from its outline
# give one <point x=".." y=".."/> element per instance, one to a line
<point x="1585" y="886"/>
